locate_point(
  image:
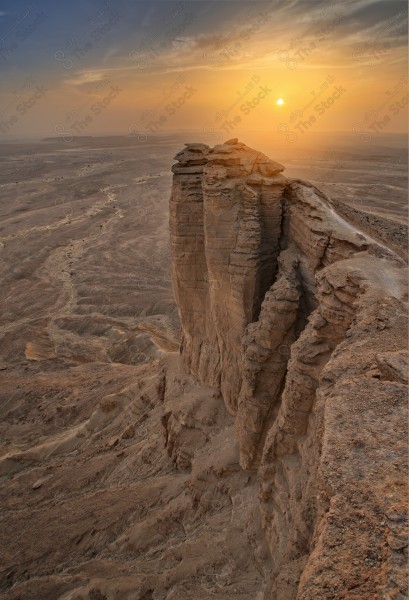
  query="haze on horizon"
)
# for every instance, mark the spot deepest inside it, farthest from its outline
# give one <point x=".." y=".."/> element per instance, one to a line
<point x="218" y="68"/>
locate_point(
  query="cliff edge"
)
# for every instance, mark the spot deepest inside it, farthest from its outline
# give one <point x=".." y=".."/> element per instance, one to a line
<point x="297" y="318"/>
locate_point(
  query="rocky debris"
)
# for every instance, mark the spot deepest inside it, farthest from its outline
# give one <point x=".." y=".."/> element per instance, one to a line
<point x="189" y="418"/>
<point x="128" y="433"/>
<point x="113" y="442"/>
<point x="297" y="316"/>
<point x="40" y="348"/>
<point x="393" y="365"/>
<point x="37" y="484"/>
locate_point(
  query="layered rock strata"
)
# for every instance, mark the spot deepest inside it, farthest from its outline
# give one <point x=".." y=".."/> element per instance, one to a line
<point x="225" y="215"/>
<point x="297" y="316"/>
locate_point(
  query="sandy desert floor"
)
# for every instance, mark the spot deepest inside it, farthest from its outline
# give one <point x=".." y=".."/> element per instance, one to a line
<point x="92" y="506"/>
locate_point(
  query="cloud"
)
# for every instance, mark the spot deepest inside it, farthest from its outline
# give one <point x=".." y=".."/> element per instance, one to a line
<point x="83" y="78"/>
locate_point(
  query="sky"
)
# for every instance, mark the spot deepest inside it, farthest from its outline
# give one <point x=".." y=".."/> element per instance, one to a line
<point x="131" y="67"/>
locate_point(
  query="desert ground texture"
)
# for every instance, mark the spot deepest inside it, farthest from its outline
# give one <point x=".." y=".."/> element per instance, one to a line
<point x="92" y="504"/>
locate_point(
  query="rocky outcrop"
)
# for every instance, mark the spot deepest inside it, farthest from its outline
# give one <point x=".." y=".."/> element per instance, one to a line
<point x="225" y="215"/>
<point x="297" y="317"/>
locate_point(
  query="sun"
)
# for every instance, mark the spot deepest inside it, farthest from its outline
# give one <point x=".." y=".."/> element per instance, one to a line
<point x="280" y="102"/>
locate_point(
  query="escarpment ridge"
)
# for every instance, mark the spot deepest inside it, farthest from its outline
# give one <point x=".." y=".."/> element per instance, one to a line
<point x="297" y="317"/>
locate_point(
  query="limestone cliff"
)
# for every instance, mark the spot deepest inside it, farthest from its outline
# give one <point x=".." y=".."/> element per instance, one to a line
<point x="225" y="216"/>
<point x="298" y="318"/>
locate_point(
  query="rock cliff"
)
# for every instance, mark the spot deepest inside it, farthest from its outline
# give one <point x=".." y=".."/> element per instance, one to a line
<point x="297" y="318"/>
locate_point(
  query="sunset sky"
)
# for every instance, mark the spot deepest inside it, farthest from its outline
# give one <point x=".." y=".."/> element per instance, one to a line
<point x="130" y="66"/>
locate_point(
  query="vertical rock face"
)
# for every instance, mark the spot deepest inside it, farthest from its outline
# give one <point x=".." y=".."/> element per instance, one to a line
<point x="297" y="317"/>
<point x="190" y="275"/>
<point x="225" y="227"/>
